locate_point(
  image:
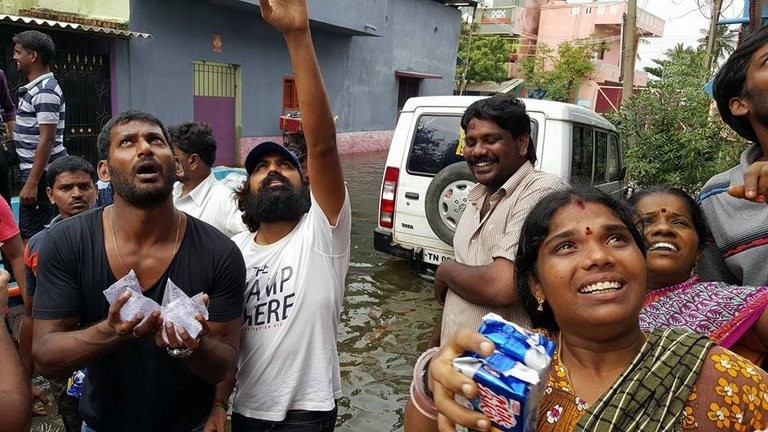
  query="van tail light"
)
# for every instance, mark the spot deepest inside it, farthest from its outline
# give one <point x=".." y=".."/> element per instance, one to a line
<point x="388" y="193"/>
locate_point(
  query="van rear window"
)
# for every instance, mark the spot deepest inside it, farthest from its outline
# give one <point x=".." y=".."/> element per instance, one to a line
<point x="435" y="144"/>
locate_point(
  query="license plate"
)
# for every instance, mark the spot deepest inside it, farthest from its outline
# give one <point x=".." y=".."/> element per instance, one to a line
<point x="434" y="257"/>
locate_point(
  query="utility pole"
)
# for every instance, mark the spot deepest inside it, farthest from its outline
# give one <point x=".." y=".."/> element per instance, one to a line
<point x="468" y="63"/>
<point x="629" y="51"/>
<point x="717" y="5"/>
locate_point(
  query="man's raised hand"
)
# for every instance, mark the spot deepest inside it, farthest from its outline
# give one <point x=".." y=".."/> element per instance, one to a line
<point x="286" y="15"/>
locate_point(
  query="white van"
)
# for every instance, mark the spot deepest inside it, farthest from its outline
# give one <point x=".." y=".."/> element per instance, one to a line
<point x="426" y="181"/>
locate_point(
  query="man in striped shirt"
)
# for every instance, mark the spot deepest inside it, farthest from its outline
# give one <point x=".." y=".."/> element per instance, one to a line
<point x="39" y="130"/>
<point x="500" y="153"/>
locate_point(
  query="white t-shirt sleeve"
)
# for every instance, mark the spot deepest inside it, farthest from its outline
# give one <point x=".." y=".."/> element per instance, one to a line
<point x="331" y="239"/>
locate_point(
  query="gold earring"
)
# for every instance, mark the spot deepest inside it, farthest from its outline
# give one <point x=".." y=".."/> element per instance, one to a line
<point x="541" y="305"/>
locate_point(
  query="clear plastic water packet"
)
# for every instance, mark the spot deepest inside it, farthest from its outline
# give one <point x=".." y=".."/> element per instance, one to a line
<point x="138" y="301"/>
<point x="180" y="309"/>
<point x="509" y="380"/>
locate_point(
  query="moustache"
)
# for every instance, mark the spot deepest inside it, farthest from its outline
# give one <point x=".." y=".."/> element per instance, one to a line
<point x="274" y="176"/>
<point x="147" y="164"/>
<point x="475" y="161"/>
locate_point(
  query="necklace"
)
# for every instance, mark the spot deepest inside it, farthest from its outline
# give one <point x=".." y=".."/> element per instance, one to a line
<point x="114" y="238"/>
<point x="562" y="363"/>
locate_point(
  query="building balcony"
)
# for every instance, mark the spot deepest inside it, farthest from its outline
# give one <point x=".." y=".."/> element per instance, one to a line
<point x="609" y="74"/>
<point x="598" y="18"/>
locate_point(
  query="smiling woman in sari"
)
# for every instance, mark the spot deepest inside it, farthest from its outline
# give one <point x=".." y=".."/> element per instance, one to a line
<point x="581" y="277"/>
<point x="733" y="316"/>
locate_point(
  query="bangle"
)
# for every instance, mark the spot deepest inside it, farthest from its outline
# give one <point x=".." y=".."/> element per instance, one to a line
<point x="420" y="394"/>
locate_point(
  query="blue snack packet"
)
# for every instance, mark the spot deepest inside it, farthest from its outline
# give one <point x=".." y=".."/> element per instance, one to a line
<point x="508" y="380"/>
<point x="75" y="383"/>
<point x="533" y="349"/>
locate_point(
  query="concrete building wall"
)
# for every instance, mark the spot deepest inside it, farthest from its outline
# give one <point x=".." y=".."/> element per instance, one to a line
<point x="425" y="38"/>
<point x="156" y="74"/>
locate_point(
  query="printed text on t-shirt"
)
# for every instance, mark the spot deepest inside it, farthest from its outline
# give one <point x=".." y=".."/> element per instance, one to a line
<point x="267" y="305"/>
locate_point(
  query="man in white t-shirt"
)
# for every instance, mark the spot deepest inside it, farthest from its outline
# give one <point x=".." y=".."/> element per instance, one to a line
<point x="197" y="192"/>
<point x="296" y="252"/>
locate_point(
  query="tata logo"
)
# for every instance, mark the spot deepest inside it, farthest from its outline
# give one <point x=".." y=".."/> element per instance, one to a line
<point x="406" y="226"/>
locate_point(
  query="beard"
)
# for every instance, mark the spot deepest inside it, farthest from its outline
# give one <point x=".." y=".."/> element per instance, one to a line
<point x="759" y="104"/>
<point x="277" y="204"/>
<point x="138" y="196"/>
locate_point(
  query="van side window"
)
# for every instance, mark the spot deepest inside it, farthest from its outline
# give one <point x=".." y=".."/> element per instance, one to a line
<point x="613" y="170"/>
<point x="434" y="144"/>
<point x="581" y="155"/>
<point x="601" y="154"/>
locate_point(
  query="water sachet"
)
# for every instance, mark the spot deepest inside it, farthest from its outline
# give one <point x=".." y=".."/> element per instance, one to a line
<point x="180" y="309"/>
<point x="138" y="301"/>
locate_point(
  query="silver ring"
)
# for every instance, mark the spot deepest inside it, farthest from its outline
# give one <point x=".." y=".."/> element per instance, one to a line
<point x="178" y="352"/>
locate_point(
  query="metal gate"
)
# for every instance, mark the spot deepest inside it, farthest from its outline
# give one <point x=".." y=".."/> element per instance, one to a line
<point x="215" y="100"/>
<point x="82" y="69"/>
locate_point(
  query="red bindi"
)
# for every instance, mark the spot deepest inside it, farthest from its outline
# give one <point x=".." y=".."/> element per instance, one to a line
<point x="588" y="231"/>
<point x="663" y="210"/>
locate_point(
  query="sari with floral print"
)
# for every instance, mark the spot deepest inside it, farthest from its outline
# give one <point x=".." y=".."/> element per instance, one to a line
<point x="728" y="392"/>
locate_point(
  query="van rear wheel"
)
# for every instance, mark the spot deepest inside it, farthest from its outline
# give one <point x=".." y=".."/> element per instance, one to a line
<point x="446" y="199"/>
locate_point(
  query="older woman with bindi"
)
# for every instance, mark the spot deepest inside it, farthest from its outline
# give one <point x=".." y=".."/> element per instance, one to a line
<point x="581" y="277"/>
<point x="674" y="227"/>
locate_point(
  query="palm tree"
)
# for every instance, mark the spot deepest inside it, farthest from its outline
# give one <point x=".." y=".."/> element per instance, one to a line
<point x="725" y="42"/>
<point x="676" y="52"/>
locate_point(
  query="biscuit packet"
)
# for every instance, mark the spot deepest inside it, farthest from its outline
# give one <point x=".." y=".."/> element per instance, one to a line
<point x="180" y="309"/>
<point x="138" y="301"/>
<point x="509" y="380"/>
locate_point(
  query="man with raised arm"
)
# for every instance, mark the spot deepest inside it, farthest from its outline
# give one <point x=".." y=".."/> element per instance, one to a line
<point x="297" y="254"/>
<point x="136" y="381"/>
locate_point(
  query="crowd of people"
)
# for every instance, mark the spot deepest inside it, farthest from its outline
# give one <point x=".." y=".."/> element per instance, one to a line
<point x="273" y="292"/>
<point x="658" y="305"/>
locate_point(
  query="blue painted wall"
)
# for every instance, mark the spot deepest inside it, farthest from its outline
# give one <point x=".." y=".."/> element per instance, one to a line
<point x="156" y="74"/>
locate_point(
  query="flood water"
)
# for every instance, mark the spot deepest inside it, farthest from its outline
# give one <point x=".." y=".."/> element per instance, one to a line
<point x="388" y="317"/>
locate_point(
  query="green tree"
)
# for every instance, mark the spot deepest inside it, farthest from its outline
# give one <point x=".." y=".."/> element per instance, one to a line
<point x="481" y="57"/>
<point x="675" y="52"/>
<point x="673" y="134"/>
<point x="560" y="71"/>
<point x="725" y="42"/>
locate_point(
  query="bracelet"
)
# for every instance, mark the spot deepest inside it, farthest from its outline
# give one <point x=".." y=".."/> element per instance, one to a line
<point x="220" y="402"/>
<point x="420" y="394"/>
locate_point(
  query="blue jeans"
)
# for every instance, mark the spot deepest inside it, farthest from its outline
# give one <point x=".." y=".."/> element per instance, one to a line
<point x="87" y="428"/>
<point x="295" y="421"/>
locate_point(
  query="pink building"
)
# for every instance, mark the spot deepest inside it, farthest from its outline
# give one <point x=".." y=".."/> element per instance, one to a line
<point x="563" y="21"/>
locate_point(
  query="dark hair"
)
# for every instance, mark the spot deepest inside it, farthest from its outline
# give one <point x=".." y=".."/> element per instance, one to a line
<point x="536" y="229"/>
<point x="102" y="141"/>
<point x="66" y="164"/>
<point x="697" y="216"/>
<point x="730" y="82"/>
<point x="41" y="43"/>
<point x="249" y="219"/>
<point x="195" y="137"/>
<point x="508" y="112"/>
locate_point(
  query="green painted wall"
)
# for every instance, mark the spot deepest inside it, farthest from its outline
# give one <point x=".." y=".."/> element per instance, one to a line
<point x="114" y="10"/>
